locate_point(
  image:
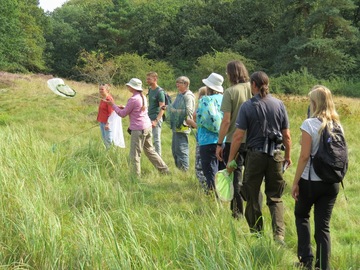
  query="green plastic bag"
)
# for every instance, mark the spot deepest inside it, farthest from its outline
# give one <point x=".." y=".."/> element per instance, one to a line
<point x="224" y="183"/>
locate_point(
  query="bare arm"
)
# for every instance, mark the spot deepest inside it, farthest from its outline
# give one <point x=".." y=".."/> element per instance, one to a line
<point x="287" y="144"/>
<point x="303" y="159"/>
<point x="224" y="128"/>
<point x="160" y="114"/>
<point x="235" y="145"/>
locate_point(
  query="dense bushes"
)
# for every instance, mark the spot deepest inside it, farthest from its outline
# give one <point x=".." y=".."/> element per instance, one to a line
<point x="94" y="67"/>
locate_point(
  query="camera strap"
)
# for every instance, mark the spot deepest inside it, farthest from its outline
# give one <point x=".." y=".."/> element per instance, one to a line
<point x="259" y="110"/>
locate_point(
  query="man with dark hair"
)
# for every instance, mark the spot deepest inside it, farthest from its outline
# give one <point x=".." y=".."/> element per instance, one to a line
<point x="156" y="100"/>
<point x="265" y="121"/>
<point x="234" y="96"/>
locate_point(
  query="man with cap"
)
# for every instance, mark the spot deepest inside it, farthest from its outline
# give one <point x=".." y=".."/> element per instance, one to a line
<point x="140" y="128"/>
<point x="208" y="119"/>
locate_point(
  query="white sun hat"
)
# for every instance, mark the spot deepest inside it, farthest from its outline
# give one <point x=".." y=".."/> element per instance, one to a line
<point x="214" y="81"/>
<point x="135" y="84"/>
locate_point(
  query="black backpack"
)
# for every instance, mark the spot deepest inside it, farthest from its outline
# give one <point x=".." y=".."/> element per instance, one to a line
<point x="331" y="160"/>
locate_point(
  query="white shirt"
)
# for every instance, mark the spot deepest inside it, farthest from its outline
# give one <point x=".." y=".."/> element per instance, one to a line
<point x="311" y="126"/>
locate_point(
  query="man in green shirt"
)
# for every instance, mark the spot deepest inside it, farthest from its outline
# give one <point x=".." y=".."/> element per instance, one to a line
<point x="156" y="100"/>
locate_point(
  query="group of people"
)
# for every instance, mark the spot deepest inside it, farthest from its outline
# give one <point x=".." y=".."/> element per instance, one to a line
<point x="246" y="123"/>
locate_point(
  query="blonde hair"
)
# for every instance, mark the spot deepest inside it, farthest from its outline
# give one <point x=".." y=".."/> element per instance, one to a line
<point x="322" y="106"/>
<point x="152" y="74"/>
<point x="106" y="86"/>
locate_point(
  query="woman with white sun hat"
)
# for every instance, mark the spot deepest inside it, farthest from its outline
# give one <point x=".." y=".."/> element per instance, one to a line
<point x="208" y="118"/>
<point x="140" y="128"/>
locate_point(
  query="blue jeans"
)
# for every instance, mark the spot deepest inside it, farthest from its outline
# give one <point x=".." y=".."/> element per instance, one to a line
<point x="106" y="135"/>
<point x="209" y="163"/>
<point x="156" y="132"/>
<point x="322" y="196"/>
<point x="180" y="150"/>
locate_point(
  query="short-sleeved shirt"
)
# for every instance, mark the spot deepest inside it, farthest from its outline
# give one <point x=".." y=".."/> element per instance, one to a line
<point x="312" y="127"/>
<point x="155" y="96"/>
<point x="249" y="120"/>
<point x="105" y="110"/>
<point x="204" y="136"/>
<point x="233" y="98"/>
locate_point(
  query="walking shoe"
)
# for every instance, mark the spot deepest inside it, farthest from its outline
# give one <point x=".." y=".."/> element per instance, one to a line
<point x="280" y="240"/>
<point x="165" y="172"/>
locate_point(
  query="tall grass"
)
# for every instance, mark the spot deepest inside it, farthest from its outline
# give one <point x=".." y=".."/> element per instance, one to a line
<point x="66" y="203"/>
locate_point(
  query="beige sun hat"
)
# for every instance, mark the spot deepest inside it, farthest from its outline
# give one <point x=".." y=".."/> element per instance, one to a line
<point x="214" y="81"/>
<point x="136" y="84"/>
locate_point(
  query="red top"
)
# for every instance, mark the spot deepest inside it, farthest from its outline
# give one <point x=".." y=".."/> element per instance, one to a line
<point x="105" y="110"/>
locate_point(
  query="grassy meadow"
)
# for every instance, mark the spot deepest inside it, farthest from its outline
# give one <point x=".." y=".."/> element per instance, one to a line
<point x="66" y="203"/>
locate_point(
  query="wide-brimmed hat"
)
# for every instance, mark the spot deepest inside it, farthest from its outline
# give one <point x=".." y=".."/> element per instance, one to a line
<point x="214" y="81"/>
<point x="136" y="84"/>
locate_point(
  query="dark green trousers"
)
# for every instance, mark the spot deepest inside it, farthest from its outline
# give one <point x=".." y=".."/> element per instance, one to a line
<point x="259" y="168"/>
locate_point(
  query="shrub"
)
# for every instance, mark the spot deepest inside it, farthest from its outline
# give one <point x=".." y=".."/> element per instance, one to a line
<point x="95" y="67"/>
<point x="216" y="62"/>
<point x="295" y="82"/>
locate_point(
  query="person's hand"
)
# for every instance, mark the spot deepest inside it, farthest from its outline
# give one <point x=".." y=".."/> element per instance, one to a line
<point x="229" y="170"/>
<point x="219" y="153"/>
<point x="121" y="106"/>
<point x="295" y="191"/>
<point x="154" y="123"/>
<point x="286" y="164"/>
<point x="107" y="126"/>
<point x="108" y="101"/>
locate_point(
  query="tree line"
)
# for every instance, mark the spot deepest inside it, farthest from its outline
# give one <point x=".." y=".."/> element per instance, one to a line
<point x="112" y="40"/>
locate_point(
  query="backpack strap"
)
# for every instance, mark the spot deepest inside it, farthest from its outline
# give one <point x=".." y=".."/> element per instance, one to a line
<point x="159" y="89"/>
<point x="309" y="177"/>
<point x="256" y="103"/>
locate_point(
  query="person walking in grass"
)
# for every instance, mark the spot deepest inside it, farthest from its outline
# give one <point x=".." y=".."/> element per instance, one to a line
<point x="234" y="97"/>
<point x="140" y="128"/>
<point x="156" y="100"/>
<point x="315" y="192"/>
<point x="265" y="121"/>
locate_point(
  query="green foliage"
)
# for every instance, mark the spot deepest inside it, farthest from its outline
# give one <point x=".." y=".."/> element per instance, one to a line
<point x="94" y="67"/>
<point x="295" y="83"/>
<point x="321" y="36"/>
<point x="300" y="83"/>
<point x="216" y="62"/>
<point x="133" y="65"/>
<point x="11" y="37"/>
<point x="322" y="39"/>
